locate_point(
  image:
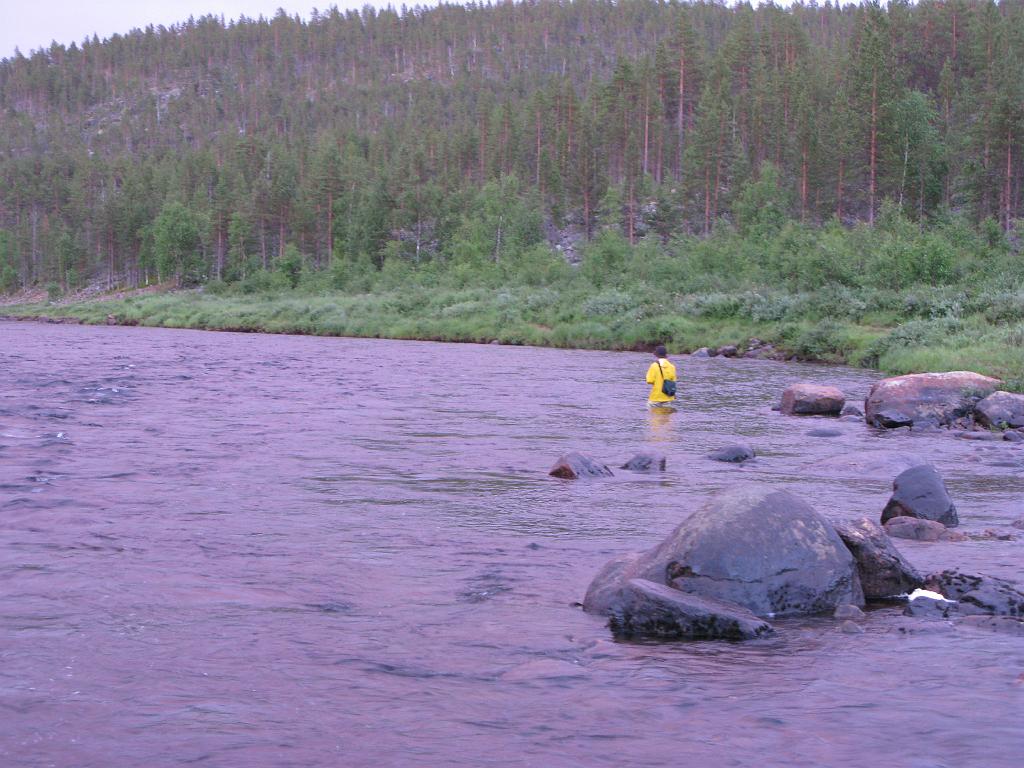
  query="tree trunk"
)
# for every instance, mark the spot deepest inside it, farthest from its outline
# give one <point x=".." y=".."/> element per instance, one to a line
<point x="874" y="141"/>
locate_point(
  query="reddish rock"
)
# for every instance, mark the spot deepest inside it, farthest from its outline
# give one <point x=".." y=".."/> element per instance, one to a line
<point x="914" y="528"/>
<point x="923" y="398"/>
<point x="573" y="466"/>
<point x="812" y="399"/>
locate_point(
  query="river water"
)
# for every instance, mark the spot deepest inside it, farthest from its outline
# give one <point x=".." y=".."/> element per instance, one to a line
<point x="248" y="550"/>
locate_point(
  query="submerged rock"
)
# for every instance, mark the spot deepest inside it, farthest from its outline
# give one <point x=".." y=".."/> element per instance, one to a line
<point x="755" y="546"/>
<point x="573" y="466"/>
<point x="646" y="461"/>
<point x="733" y="453"/>
<point x="823" y="432"/>
<point x="937" y="398"/>
<point x="920" y="492"/>
<point x="850" y="409"/>
<point x="647" y="609"/>
<point x="914" y="528"/>
<point x="931" y="608"/>
<point x="883" y="571"/>
<point x="1001" y="410"/>
<point x="812" y="399"/>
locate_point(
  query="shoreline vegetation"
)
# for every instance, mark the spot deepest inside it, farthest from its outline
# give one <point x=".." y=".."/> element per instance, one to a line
<point x="892" y="297"/>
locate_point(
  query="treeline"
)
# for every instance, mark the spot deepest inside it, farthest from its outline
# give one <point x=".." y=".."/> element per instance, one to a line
<point x="462" y="133"/>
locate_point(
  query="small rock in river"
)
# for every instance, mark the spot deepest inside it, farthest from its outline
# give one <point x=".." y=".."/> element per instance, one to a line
<point x="812" y="399"/>
<point x="851" y="628"/>
<point x="823" y="432"/>
<point x="914" y="528"/>
<point x="573" y="466"/>
<point x="733" y="453"/>
<point x="646" y="461"/>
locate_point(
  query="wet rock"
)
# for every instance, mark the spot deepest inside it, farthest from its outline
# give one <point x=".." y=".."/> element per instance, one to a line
<point x="979" y="593"/>
<point x="733" y="453"/>
<point x="939" y="398"/>
<point x="823" y="432"/>
<point x="950" y="535"/>
<point x="930" y="608"/>
<point x="1018" y="523"/>
<point x="646" y="461"/>
<point x="758" y="547"/>
<point x="851" y="409"/>
<point x="920" y="492"/>
<point x="573" y="466"/>
<point x="702" y="352"/>
<point x="987" y="535"/>
<point x="649" y="610"/>
<point x="1004" y="625"/>
<point x="914" y="528"/>
<point x="812" y="399"/>
<point x="851" y="628"/>
<point x="848" y="612"/>
<point x="727" y="350"/>
<point x="1013" y="436"/>
<point x="1001" y="410"/>
<point x="883" y="571"/>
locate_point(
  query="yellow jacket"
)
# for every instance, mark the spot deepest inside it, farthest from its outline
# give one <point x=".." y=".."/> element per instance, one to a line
<point x="654" y="378"/>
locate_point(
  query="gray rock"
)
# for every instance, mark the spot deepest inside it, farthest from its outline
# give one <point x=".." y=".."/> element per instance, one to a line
<point x="851" y="628"/>
<point x="939" y="398"/>
<point x="1001" y="410"/>
<point x="914" y="528"/>
<point x="727" y="350"/>
<point x="979" y="593"/>
<point x="823" y="432"/>
<point x="1019" y="523"/>
<point x="930" y="608"/>
<point x="646" y="461"/>
<point x="1013" y="436"/>
<point x="850" y="409"/>
<point x="848" y="612"/>
<point x="573" y="466"/>
<point x="812" y="399"/>
<point x="649" y="610"/>
<point x="920" y="492"/>
<point x="702" y="352"/>
<point x="883" y="571"/>
<point x="733" y="453"/>
<point x="762" y="548"/>
<point x="757" y="547"/>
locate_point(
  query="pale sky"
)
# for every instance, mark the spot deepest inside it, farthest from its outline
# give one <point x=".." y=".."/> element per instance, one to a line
<point x="33" y="24"/>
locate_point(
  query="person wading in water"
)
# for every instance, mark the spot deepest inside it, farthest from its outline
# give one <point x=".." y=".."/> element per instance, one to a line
<point x="662" y="378"/>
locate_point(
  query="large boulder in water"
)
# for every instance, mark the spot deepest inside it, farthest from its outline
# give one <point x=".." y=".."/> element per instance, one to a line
<point x="812" y="400"/>
<point x="925" y="398"/>
<point x="573" y="466"/>
<point x="646" y="609"/>
<point x="1001" y="410"/>
<point x="883" y="571"/>
<point x="920" y="492"/>
<point x="755" y="546"/>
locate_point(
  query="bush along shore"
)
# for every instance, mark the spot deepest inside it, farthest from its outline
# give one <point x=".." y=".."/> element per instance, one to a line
<point x="892" y="297"/>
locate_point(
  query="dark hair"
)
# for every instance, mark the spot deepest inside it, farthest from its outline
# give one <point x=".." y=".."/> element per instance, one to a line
<point x="660" y="350"/>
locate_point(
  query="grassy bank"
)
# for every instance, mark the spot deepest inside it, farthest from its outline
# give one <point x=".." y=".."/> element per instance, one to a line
<point x="896" y="296"/>
<point x="894" y="332"/>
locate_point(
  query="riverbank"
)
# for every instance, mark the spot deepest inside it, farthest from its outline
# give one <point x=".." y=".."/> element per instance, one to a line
<point x="896" y="334"/>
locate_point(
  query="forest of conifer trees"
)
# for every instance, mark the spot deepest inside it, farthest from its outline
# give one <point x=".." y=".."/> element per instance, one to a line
<point x="209" y="150"/>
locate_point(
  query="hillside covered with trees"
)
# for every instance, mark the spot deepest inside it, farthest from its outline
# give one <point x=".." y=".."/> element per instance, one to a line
<point x="205" y="150"/>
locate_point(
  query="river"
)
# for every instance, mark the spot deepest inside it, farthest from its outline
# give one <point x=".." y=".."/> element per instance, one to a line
<point x="254" y="550"/>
